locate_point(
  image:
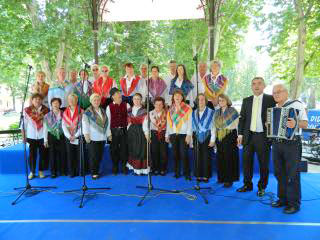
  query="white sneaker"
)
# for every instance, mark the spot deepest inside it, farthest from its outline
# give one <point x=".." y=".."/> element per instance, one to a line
<point x="31" y="176"/>
<point x="41" y="175"/>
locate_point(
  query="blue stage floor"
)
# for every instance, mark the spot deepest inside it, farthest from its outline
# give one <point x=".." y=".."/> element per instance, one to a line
<point x="113" y="214"/>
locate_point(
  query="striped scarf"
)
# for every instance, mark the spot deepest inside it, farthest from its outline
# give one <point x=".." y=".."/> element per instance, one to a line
<point x="71" y="121"/>
<point x="213" y="88"/>
<point x="223" y="120"/>
<point x="202" y="126"/>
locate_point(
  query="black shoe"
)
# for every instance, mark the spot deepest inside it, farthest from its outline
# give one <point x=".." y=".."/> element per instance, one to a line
<point x="156" y="173"/>
<point x="72" y="175"/>
<point x="291" y="210"/>
<point x="278" y="204"/>
<point x="245" y="188"/>
<point x="261" y="192"/>
<point x="205" y="180"/>
<point x="227" y="184"/>
<point x="125" y="171"/>
<point x="188" y="178"/>
<point x="177" y="176"/>
<point x="162" y="173"/>
<point x="53" y="175"/>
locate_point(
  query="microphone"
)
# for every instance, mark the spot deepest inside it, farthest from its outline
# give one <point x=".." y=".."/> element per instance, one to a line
<point x="149" y="61"/>
<point x="195" y="58"/>
<point x="86" y="65"/>
<point x="29" y="66"/>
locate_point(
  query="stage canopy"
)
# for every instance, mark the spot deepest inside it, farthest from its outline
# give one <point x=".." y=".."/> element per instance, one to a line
<point x="152" y="10"/>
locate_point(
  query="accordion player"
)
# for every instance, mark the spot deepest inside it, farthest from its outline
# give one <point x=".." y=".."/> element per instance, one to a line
<point x="277" y="118"/>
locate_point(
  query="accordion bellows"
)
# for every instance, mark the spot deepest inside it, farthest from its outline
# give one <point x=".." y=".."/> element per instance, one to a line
<point x="277" y="119"/>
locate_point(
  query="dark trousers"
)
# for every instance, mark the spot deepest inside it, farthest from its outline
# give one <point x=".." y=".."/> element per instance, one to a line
<point x="287" y="156"/>
<point x="180" y="153"/>
<point x="73" y="156"/>
<point x="36" y="145"/>
<point x="96" y="149"/>
<point x="259" y="144"/>
<point x="202" y="157"/>
<point x="159" y="153"/>
<point x="57" y="155"/>
<point x="119" y="148"/>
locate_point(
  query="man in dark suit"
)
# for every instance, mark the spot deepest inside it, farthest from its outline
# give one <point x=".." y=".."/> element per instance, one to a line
<point x="252" y="135"/>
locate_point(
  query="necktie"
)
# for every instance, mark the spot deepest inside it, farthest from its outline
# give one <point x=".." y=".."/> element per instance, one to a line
<point x="255" y="106"/>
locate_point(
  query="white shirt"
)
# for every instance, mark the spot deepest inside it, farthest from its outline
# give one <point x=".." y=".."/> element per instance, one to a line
<point x="186" y="128"/>
<point x="31" y="130"/>
<point x="67" y="133"/>
<point x="167" y="80"/>
<point x="201" y="87"/>
<point x="259" y="126"/>
<point x="140" y="88"/>
<point x="153" y="114"/>
<point x="93" y="132"/>
<point x="302" y="113"/>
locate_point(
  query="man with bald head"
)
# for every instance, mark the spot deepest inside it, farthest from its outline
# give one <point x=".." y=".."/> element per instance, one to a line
<point x="286" y="154"/>
<point x="252" y="135"/>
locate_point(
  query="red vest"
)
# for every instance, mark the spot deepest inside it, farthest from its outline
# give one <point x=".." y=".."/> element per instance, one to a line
<point x="118" y="115"/>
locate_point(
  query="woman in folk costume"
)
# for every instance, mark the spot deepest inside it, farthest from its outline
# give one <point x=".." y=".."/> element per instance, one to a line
<point x="157" y="87"/>
<point x="214" y="83"/>
<point x="95" y="130"/>
<point x="179" y="131"/>
<point x="158" y="144"/>
<point x="103" y="85"/>
<point x="225" y="127"/>
<point x="203" y="138"/>
<point x="33" y="134"/>
<point x="137" y="144"/>
<point x="83" y="89"/>
<point x="71" y="130"/>
<point x="41" y="87"/>
<point x="59" y="89"/>
<point x="181" y="81"/>
<point x="54" y="138"/>
<point x="130" y="84"/>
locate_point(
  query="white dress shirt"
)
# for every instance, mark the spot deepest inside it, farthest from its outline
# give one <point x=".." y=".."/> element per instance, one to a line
<point x="67" y="133"/>
<point x="31" y="130"/>
<point x="302" y="113"/>
<point x="95" y="134"/>
<point x="259" y="126"/>
<point x="186" y="128"/>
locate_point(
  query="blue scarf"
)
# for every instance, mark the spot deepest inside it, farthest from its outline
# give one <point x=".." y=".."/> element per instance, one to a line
<point x="186" y="86"/>
<point x="202" y="127"/>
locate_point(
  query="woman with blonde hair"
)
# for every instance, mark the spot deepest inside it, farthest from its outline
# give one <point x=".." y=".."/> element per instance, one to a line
<point x="41" y="87"/>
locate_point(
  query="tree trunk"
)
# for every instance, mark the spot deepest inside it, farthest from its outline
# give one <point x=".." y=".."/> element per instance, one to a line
<point x="213" y="27"/>
<point x="95" y="30"/>
<point x="302" y="31"/>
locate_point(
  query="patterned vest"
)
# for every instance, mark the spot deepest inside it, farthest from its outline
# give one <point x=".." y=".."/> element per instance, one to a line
<point x="118" y="115"/>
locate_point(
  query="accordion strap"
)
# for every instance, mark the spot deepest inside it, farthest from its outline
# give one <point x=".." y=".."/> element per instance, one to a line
<point x="290" y="102"/>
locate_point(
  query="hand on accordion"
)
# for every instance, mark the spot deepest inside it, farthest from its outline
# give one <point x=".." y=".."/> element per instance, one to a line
<point x="291" y="123"/>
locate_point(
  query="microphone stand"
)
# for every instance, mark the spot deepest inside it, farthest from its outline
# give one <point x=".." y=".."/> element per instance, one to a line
<point x="28" y="186"/>
<point x="197" y="187"/>
<point x="150" y="187"/>
<point x="84" y="187"/>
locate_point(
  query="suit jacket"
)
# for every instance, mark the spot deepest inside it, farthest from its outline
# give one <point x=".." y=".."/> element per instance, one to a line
<point x="245" y="115"/>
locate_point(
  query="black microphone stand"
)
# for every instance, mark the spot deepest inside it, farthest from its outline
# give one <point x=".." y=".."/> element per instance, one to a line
<point x="28" y="186"/>
<point x="84" y="187"/>
<point x="150" y="187"/>
<point x="197" y="187"/>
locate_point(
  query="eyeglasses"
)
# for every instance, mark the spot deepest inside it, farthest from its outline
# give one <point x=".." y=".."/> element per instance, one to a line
<point x="277" y="93"/>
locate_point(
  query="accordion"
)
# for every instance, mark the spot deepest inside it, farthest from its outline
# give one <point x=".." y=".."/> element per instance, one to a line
<point x="277" y="119"/>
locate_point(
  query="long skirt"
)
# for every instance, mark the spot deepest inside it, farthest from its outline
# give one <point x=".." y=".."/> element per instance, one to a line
<point x="202" y="158"/>
<point x="228" y="158"/>
<point x="137" y="150"/>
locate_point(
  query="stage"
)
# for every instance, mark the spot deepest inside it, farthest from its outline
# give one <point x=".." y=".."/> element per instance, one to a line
<point x="114" y="214"/>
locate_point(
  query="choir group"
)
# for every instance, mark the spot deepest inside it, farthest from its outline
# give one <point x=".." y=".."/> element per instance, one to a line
<point x="184" y="112"/>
